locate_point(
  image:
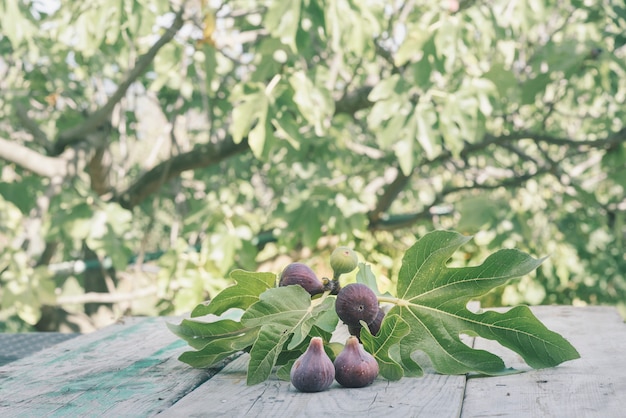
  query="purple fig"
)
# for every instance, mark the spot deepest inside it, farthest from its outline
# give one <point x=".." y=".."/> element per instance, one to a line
<point x="355" y="367"/>
<point x="373" y="326"/>
<point x="313" y="371"/>
<point x="356" y="302"/>
<point x="301" y="274"/>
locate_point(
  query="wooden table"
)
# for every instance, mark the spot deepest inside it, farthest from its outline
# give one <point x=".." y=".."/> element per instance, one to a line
<point x="130" y="369"/>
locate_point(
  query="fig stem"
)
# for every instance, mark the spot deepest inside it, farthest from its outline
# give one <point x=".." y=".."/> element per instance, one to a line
<point x="319" y="300"/>
<point x="395" y="301"/>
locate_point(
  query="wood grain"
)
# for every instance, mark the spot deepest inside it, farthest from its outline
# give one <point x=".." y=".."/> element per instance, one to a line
<point x="131" y="369"/>
<point x="125" y="369"/>
<point x="226" y="395"/>
<point x="592" y="386"/>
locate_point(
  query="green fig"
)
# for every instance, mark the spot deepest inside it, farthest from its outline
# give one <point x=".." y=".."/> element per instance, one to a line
<point x="343" y="260"/>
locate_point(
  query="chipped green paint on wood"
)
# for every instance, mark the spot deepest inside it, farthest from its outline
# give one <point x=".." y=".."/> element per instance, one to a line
<point x="125" y="368"/>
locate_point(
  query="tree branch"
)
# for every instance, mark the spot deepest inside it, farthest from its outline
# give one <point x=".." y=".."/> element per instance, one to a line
<point x="31" y="160"/>
<point x="98" y="168"/>
<point x="213" y="153"/>
<point x="99" y="297"/>
<point x="31" y="126"/>
<point x="608" y="142"/>
<point x="389" y="195"/>
<point x="378" y="221"/>
<point x="354" y="101"/>
<point x="101" y="116"/>
<point x="200" y="157"/>
<point x="404" y="220"/>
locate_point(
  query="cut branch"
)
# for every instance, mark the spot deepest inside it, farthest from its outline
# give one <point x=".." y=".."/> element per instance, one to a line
<point x="101" y="116"/>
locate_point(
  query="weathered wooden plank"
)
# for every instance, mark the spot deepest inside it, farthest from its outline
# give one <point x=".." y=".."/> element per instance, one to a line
<point x="226" y="395"/>
<point x="127" y="369"/>
<point x="592" y="386"/>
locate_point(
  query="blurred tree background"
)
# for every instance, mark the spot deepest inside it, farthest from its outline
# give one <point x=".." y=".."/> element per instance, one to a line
<point x="148" y="147"/>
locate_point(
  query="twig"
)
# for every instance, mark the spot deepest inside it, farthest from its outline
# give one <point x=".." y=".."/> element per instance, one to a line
<point x="97" y="297"/>
<point x="100" y="116"/>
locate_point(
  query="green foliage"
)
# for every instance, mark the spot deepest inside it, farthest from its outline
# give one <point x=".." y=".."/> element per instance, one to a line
<point x="239" y="136"/>
<point x="429" y="314"/>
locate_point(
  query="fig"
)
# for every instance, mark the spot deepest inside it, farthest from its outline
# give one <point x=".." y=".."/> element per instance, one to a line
<point x="343" y="260"/>
<point x="301" y="274"/>
<point x="355" y="367"/>
<point x="313" y="371"/>
<point x="355" y="330"/>
<point x="373" y="326"/>
<point x="356" y="302"/>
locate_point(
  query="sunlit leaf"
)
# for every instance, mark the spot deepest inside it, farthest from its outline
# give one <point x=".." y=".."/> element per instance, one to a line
<point x="245" y="292"/>
<point x="432" y="301"/>
<point x="284" y="314"/>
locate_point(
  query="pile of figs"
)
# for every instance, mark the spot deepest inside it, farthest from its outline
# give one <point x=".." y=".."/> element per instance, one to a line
<point x="355" y="304"/>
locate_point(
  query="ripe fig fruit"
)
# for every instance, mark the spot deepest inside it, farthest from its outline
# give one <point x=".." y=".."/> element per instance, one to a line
<point x="343" y="260"/>
<point x="355" y="330"/>
<point x="356" y="302"/>
<point x="301" y="274"/>
<point x="373" y="326"/>
<point x="313" y="371"/>
<point x="355" y="367"/>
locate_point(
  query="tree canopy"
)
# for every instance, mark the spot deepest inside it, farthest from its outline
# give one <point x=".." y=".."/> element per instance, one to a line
<point x="148" y="147"/>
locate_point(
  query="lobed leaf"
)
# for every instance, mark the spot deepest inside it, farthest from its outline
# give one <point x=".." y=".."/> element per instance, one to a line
<point x="286" y="316"/>
<point x="392" y="330"/>
<point x="214" y="341"/>
<point x="246" y="291"/>
<point x="432" y="301"/>
<point x="199" y="334"/>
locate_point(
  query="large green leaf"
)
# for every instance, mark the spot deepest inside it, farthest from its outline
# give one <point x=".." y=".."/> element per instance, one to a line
<point x="199" y="334"/>
<point x="381" y="346"/>
<point x="245" y="292"/>
<point x="218" y="349"/>
<point x="432" y="300"/>
<point x="285" y="314"/>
